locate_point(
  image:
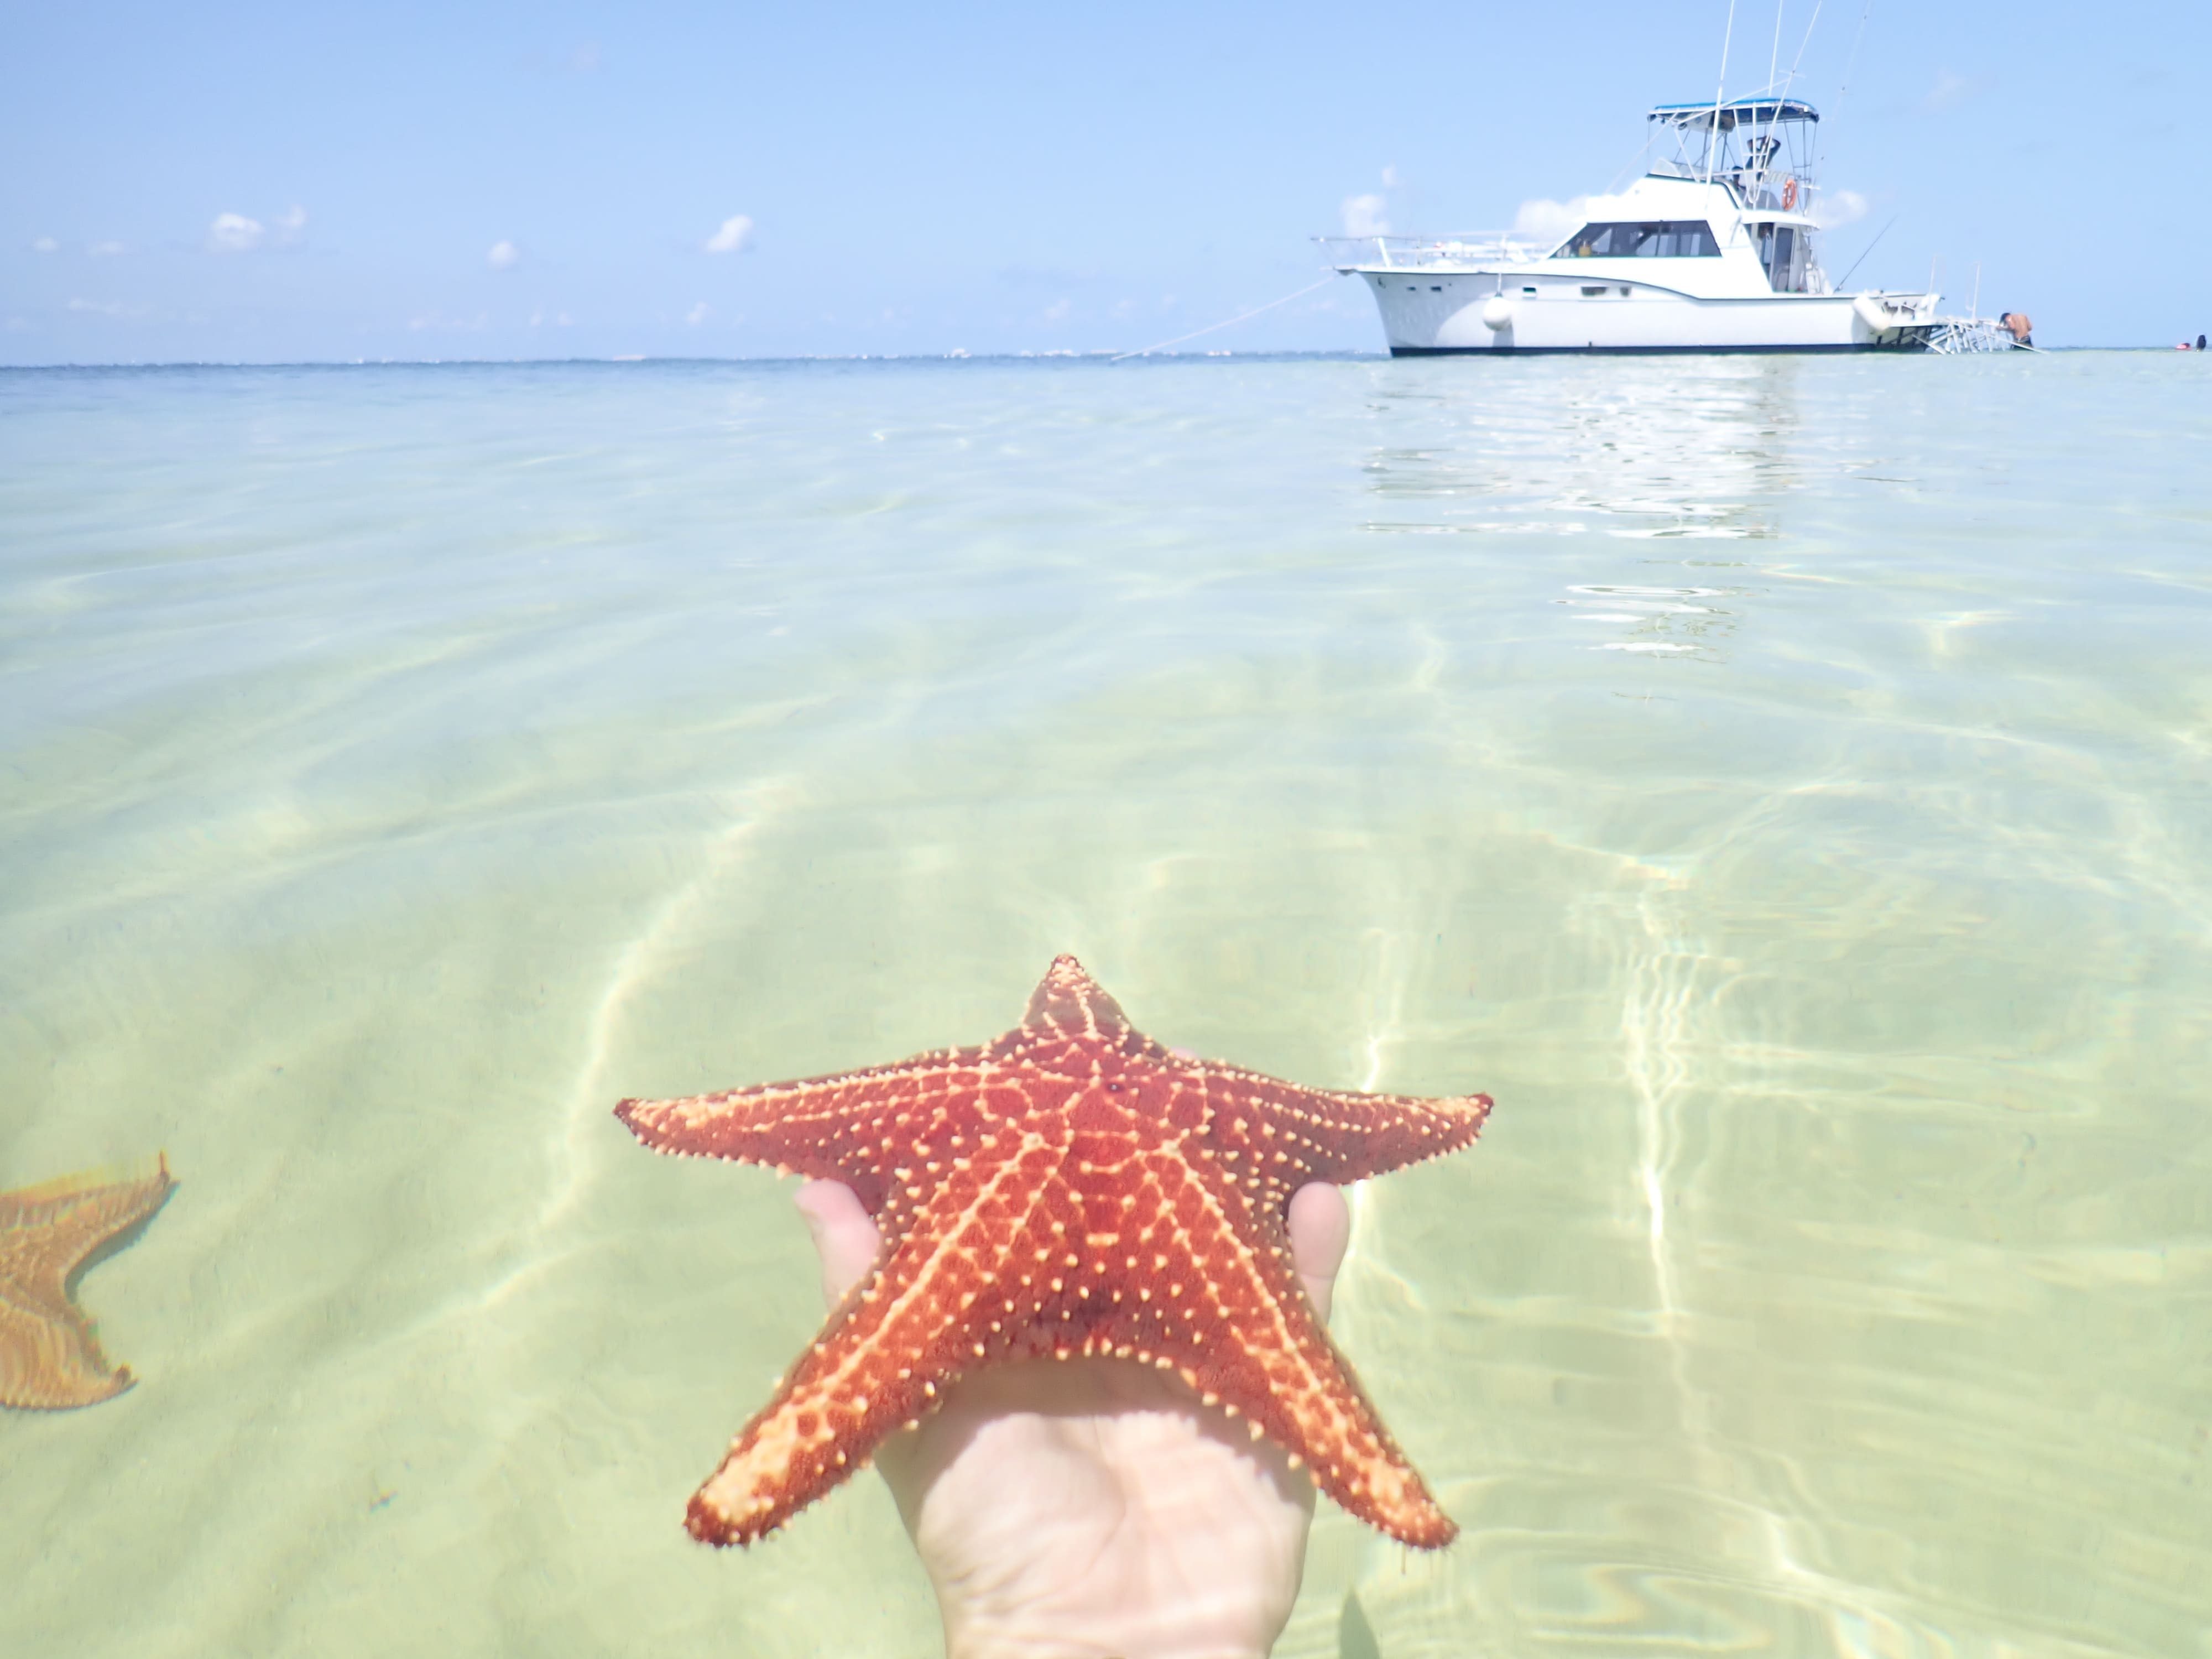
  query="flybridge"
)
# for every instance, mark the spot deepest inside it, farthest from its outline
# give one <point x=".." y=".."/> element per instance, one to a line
<point x="1761" y="148"/>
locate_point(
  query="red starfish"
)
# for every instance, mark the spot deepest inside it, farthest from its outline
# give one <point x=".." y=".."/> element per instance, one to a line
<point x="1071" y="1188"/>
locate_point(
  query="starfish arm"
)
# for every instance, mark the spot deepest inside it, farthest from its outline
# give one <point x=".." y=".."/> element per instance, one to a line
<point x="907" y="1332"/>
<point x="50" y="1357"/>
<point x="1298" y="1134"/>
<point x="864" y="1128"/>
<point x="51" y="1361"/>
<point x="1274" y="1365"/>
<point x="1266" y="1357"/>
<point x="1211" y="1293"/>
<point x="61" y="1227"/>
<point x="1068" y="1003"/>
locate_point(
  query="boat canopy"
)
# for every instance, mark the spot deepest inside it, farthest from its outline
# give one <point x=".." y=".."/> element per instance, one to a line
<point x="1734" y="112"/>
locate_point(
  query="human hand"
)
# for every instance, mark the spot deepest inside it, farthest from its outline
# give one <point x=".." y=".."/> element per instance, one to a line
<point x="1079" y="1509"/>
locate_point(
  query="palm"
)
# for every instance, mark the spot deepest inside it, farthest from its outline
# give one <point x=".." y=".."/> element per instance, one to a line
<point x="1091" y="1507"/>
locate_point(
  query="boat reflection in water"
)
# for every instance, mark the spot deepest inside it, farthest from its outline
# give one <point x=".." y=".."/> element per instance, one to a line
<point x="1605" y="472"/>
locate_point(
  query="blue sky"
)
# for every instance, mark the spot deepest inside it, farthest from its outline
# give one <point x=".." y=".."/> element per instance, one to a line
<point x="262" y="182"/>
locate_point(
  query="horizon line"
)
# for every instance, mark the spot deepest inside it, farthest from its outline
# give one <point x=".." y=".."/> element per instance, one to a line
<point x="1098" y="353"/>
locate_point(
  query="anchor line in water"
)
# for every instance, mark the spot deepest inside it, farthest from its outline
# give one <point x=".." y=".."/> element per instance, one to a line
<point x="1162" y="345"/>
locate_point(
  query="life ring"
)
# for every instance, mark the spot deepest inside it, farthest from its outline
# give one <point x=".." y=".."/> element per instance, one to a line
<point x="1788" y="194"/>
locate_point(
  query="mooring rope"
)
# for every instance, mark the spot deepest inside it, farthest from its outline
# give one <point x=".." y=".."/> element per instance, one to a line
<point x="1143" y="351"/>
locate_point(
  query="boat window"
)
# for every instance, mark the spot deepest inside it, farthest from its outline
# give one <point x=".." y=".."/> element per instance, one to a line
<point x="1662" y="239"/>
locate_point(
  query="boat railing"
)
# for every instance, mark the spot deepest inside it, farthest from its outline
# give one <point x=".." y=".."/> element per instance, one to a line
<point x="1433" y="252"/>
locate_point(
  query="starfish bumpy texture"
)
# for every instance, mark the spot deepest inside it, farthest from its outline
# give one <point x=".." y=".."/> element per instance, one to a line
<point x="50" y="1357"/>
<point x="1071" y="1188"/>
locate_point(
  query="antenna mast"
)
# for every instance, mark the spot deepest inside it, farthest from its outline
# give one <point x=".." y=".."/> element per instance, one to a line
<point x="1713" y="137"/>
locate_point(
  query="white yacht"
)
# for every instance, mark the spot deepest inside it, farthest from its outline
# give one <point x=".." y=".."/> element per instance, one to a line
<point x="1712" y="251"/>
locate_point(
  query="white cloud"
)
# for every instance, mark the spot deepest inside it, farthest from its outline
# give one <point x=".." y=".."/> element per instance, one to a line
<point x="108" y="307"/>
<point x="698" y="314"/>
<point x="1057" y="311"/>
<point x="234" y="232"/>
<point x="106" y="250"/>
<point x="45" y="245"/>
<point x="1390" y="178"/>
<point x="504" y="256"/>
<point x="1839" y="207"/>
<point x="1542" y="220"/>
<point x="735" y="236"/>
<point x="1363" y="216"/>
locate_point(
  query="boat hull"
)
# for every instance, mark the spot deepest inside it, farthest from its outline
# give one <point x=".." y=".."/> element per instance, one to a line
<point x="1428" y="313"/>
<point x="1618" y="350"/>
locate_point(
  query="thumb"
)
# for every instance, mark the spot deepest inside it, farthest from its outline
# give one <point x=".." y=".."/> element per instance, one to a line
<point x="1320" y="1226"/>
<point x="844" y="1234"/>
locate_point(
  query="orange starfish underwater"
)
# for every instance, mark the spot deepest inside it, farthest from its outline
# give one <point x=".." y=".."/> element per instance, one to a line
<point x="1071" y="1188"/>
<point x="50" y="1234"/>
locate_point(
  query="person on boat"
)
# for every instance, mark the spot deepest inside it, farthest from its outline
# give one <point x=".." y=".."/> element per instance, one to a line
<point x="2022" y="330"/>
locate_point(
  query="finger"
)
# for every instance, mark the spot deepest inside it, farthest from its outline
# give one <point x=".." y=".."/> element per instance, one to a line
<point x="1320" y="1226"/>
<point x="844" y="1234"/>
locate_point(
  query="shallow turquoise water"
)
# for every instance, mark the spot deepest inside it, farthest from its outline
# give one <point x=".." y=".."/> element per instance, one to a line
<point x="1786" y="786"/>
